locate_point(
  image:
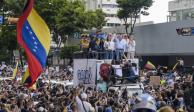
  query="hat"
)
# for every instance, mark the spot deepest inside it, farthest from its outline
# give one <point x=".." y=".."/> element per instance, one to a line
<point x="144" y="105"/>
<point x="84" y="95"/>
<point x="51" y="105"/>
<point x="40" y="109"/>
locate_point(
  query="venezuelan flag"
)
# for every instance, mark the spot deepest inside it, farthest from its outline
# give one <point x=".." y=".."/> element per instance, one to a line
<point x="34" y="36"/>
<point x="150" y="66"/>
<point x="15" y="71"/>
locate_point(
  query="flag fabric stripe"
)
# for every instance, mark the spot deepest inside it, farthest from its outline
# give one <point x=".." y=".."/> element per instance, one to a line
<point x="149" y="65"/>
<point x="26" y="78"/>
<point x="33" y="44"/>
<point x="15" y="71"/>
<point x="36" y="23"/>
<point x="34" y="36"/>
<point x="22" y="19"/>
<point x="34" y="66"/>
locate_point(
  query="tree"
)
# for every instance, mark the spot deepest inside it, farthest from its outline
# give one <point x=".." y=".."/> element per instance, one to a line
<point x="8" y="43"/>
<point x="71" y="18"/>
<point x="64" y="17"/>
<point x="74" y="18"/>
<point x="132" y="9"/>
<point x="49" y="11"/>
<point x="95" y="19"/>
<point x="67" y="51"/>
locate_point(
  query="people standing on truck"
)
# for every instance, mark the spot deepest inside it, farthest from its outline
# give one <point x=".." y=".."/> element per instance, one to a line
<point x="120" y="45"/>
<point x="131" y="48"/>
<point x="109" y="46"/>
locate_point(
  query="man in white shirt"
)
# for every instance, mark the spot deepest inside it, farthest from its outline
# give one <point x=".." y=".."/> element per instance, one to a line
<point x="120" y="45"/>
<point x="132" y="45"/>
<point x="83" y="105"/>
<point x="109" y="46"/>
<point x="127" y="46"/>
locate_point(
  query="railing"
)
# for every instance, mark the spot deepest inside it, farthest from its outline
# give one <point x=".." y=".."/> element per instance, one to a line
<point x="89" y="55"/>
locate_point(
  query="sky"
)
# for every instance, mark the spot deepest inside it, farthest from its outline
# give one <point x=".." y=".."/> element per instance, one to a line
<point x="158" y="12"/>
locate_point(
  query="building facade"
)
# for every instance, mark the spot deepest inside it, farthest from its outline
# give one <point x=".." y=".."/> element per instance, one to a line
<point x="181" y="10"/>
<point x="110" y="8"/>
<point x="91" y="4"/>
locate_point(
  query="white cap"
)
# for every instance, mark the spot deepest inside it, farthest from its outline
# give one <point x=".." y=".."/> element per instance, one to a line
<point x="40" y="109"/>
<point x="84" y="95"/>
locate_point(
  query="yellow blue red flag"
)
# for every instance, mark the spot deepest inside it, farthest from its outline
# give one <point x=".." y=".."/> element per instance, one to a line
<point x="34" y="36"/>
<point x="150" y="66"/>
<point x="15" y="71"/>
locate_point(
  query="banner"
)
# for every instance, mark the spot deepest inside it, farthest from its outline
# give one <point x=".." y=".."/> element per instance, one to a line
<point x="84" y="72"/>
<point x="98" y="64"/>
<point x="155" y="80"/>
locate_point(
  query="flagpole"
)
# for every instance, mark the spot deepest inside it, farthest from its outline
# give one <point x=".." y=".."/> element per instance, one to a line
<point x="20" y="53"/>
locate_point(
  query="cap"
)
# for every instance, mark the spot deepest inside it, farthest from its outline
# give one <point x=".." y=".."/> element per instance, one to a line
<point x="40" y="109"/>
<point x="144" y="105"/>
<point x="84" y="95"/>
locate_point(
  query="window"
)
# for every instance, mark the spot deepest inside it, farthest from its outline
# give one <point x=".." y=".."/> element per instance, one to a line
<point x="117" y="24"/>
<point x="110" y="5"/>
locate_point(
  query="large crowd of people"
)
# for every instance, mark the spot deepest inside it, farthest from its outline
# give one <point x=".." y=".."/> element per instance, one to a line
<point x="173" y="94"/>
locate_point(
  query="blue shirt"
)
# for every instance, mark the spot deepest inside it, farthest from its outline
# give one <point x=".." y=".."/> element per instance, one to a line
<point x="108" y="109"/>
<point x="120" y="44"/>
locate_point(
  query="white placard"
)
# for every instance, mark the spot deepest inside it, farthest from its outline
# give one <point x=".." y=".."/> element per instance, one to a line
<point x="84" y="72"/>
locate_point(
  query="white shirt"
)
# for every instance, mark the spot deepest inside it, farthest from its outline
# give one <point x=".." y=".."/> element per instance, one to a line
<point x="87" y="106"/>
<point x="120" y="44"/>
<point x="181" y="62"/>
<point x="127" y="47"/>
<point x="109" y="45"/>
<point x="132" y="45"/>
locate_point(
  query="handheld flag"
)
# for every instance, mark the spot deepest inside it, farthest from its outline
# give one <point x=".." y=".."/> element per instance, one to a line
<point x="150" y="66"/>
<point x="175" y="66"/>
<point x="34" y="36"/>
<point x="15" y="71"/>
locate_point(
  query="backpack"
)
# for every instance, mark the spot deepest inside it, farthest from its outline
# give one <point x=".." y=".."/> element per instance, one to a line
<point x="105" y="71"/>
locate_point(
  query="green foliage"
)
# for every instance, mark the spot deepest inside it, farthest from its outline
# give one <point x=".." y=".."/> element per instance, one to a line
<point x="7" y="42"/>
<point x="132" y="9"/>
<point x="8" y="38"/>
<point x="13" y="7"/>
<point x="64" y="17"/>
<point x="95" y="19"/>
<point x="67" y="51"/>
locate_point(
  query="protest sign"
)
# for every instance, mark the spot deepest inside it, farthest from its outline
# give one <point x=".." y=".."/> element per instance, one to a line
<point x="84" y="72"/>
<point x="155" y="80"/>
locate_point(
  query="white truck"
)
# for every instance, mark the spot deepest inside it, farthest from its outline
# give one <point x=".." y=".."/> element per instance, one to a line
<point x="131" y="88"/>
